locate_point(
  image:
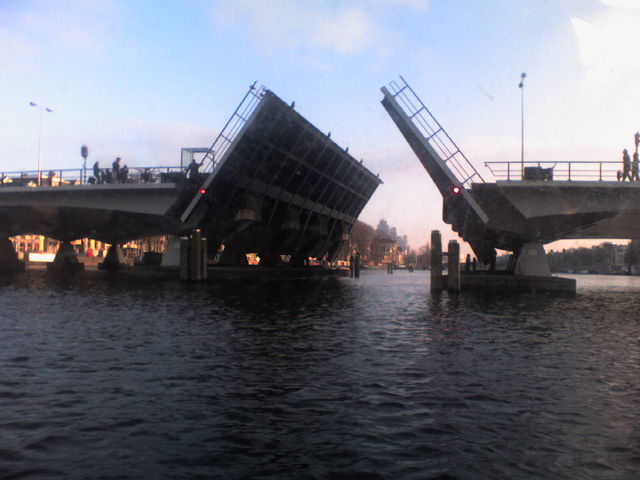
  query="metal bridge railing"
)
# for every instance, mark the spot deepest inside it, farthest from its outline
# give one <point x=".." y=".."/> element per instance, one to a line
<point x="232" y="127"/>
<point x="434" y="133"/>
<point x="80" y="176"/>
<point x="564" y="170"/>
<point x="224" y="141"/>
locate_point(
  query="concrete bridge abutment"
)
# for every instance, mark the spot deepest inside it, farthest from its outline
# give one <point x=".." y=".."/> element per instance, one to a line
<point x="114" y="260"/>
<point x="532" y="260"/>
<point x="9" y="261"/>
<point x="299" y="260"/>
<point x="66" y="259"/>
<point x="233" y="258"/>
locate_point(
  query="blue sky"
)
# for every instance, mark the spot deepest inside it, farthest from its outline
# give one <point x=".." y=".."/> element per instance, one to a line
<point x="141" y="79"/>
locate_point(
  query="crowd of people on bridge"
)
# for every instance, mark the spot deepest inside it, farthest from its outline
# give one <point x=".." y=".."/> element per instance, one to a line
<point x="630" y="168"/>
<point x="120" y="174"/>
<point x="116" y="174"/>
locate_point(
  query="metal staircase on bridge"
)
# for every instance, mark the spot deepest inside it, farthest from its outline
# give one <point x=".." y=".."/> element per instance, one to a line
<point x="424" y="121"/>
<point x="217" y="154"/>
<point x="450" y="169"/>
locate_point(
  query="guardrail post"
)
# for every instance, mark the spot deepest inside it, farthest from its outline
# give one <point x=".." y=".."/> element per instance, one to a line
<point x="600" y="171"/>
<point x="569" y="171"/>
<point x="508" y="171"/>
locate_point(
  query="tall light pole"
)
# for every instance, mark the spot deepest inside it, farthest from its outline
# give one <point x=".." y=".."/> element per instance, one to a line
<point x="521" y="85"/>
<point x="47" y="109"/>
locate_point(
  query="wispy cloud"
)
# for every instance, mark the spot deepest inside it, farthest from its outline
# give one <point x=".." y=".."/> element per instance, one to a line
<point x="621" y="3"/>
<point x="347" y="30"/>
<point x="17" y="52"/>
<point x="74" y="25"/>
<point x="607" y="47"/>
<point x="607" y="51"/>
<point x="350" y="32"/>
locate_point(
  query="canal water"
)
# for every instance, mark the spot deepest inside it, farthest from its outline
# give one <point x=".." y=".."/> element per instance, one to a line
<point x="105" y="377"/>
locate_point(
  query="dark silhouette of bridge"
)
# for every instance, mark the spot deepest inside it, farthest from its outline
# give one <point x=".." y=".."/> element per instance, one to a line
<point x="271" y="183"/>
<point x="516" y="212"/>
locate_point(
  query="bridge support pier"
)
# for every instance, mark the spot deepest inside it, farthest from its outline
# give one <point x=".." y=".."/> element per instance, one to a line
<point x="193" y="257"/>
<point x="233" y="258"/>
<point x="171" y="255"/>
<point x="8" y="258"/>
<point x="114" y="259"/>
<point x="269" y="259"/>
<point x="532" y="261"/>
<point x="66" y="259"/>
<point x="299" y="260"/>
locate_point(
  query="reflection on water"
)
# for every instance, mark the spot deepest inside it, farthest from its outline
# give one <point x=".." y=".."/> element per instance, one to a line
<point x="105" y="377"/>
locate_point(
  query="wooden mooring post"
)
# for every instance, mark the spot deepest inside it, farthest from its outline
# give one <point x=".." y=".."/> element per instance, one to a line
<point x="193" y="257"/>
<point x="354" y="264"/>
<point x="436" y="261"/>
<point x="453" y="267"/>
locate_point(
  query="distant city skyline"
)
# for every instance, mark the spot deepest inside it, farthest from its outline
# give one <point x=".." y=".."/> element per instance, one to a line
<point x="141" y="79"/>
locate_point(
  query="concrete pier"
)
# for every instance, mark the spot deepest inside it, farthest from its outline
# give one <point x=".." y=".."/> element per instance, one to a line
<point x="114" y="259"/>
<point x="234" y="259"/>
<point x="298" y="260"/>
<point x="270" y="259"/>
<point x="501" y="283"/>
<point x="66" y="259"/>
<point x="9" y="261"/>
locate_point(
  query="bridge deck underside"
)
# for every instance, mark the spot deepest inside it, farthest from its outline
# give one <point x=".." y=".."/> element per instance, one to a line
<point x="111" y="213"/>
<point x="543" y="212"/>
<point x="285" y="187"/>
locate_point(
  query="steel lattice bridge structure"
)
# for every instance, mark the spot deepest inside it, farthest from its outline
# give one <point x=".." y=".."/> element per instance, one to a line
<point x="527" y="205"/>
<point x="271" y="183"/>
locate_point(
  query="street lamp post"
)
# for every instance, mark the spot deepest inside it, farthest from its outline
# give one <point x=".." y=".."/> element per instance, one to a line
<point x="521" y="85"/>
<point x="47" y="109"/>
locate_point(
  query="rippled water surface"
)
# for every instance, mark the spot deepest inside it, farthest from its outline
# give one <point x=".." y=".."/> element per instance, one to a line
<point x="103" y="377"/>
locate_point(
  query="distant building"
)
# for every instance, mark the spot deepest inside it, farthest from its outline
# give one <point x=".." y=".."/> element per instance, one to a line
<point x="403" y="242"/>
<point x="383" y="228"/>
<point x="617" y="257"/>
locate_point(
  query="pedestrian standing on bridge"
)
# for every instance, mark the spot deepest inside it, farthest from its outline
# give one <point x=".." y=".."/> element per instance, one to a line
<point x="146" y="176"/>
<point x="124" y="174"/>
<point x="626" y="165"/>
<point x="635" y="167"/>
<point x="116" y="169"/>
<point x="193" y="169"/>
<point x="96" y="172"/>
